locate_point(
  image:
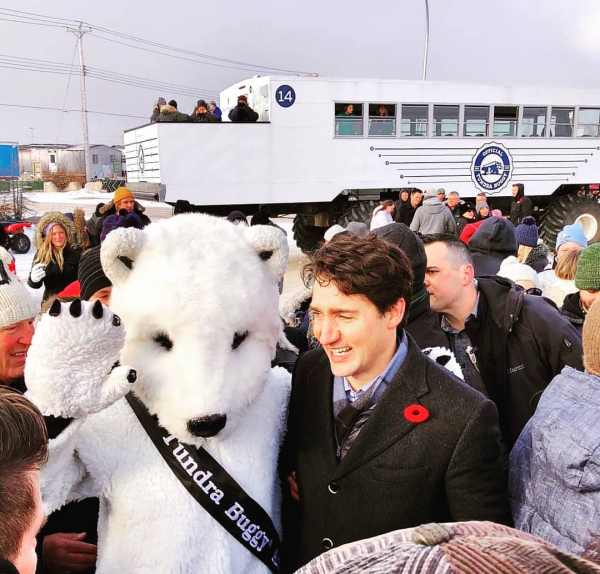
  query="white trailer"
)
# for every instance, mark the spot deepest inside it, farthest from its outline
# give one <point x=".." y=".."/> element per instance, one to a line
<point x="327" y="149"/>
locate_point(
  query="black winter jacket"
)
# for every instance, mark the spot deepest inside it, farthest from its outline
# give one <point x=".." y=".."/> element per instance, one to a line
<point x="494" y="241"/>
<point x="103" y="210"/>
<point x="538" y="258"/>
<point x="171" y="114"/>
<point x="243" y="114"/>
<point x="406" y="213"/>
<point x="56" y="280"/>
<point x="201" y="118"/>
<point x="521" y="343"/>
<point x="520" y="207"/>
<point x="572" y="311"/>
<point x="424" y="328"/>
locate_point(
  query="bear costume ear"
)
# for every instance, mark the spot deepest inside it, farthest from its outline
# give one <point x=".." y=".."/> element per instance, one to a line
<point x="119" y="251"/>
<point x="271" y="246"/>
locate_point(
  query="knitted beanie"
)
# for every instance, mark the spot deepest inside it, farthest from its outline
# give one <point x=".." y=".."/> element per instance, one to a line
<point x="333" y="231"/>
<point x="511" y="269"/>
<point x="161" y="102"/>
<point x="481" y="205"/>
<point x="122" y="219"/>
<point x="91" y="275"/>
<point x="122" y="193"/>
<point x="16" y="304"/>
<point x="572" y="233"/>
<point x="466" y="207"/>
<point x="591" y="340"/>
<point x="587" y="276"/>
<point x="454" y="548"/>
<point x="527" y="232"/>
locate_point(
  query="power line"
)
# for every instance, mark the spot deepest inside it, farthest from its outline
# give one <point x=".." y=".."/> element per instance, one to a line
<point x="69" y="110"/>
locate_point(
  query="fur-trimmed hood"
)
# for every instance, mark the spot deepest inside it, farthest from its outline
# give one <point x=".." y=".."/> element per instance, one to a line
<point x="63" y="221"/>
<point x="81" y="228"/>
<point x="104" y="209"/>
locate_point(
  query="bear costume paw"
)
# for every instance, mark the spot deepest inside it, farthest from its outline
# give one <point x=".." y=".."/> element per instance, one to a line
<point x="72" y="367"/>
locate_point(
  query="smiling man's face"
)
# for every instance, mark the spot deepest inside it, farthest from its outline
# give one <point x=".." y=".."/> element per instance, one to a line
<point x="358" y="340"/>
<point x="15" y="341"/>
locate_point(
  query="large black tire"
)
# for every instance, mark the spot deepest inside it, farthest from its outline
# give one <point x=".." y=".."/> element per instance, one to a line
<point x="20" y="243"/>
<point x="307" y="237"/>
<point x="564" y="211"/>
<point x="361" y="211"/>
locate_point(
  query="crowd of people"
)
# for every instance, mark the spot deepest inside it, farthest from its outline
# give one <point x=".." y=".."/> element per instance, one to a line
<point x="202" y="112"/>
<point x="445" y="392"/>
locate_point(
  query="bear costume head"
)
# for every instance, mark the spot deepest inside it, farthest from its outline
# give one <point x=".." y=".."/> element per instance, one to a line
<point x="200" y="336"/>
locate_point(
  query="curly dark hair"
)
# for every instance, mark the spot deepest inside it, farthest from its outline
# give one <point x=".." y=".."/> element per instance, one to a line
<point x="371" y="267"/>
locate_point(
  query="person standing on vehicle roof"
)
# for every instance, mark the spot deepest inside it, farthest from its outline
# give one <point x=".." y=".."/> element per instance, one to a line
<point x="216" y="110"/>
<point x="201" y="113"/>
<point x="521" y="206"/>
<point x="243" y="113"/>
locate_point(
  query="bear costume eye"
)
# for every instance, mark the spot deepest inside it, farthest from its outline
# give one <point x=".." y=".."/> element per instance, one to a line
<point x="238" y="339"/>
<point x="163" y="340"/>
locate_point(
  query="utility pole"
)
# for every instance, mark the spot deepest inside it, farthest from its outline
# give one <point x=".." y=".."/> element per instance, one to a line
<point x="31" y="134"/>
<point x="426" y="40"/>
<point x="79" y="33"/>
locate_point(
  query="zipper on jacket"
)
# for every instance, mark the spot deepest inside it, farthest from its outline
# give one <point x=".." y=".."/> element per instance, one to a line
<point x="568" y="344"/>
<point x="472" y="357"/>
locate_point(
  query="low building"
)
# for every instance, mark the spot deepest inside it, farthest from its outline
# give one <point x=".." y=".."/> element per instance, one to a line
<point x="39" y="160"/>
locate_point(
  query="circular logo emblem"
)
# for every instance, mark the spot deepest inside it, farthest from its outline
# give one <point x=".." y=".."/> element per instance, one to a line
<point x="141" y="159"/>
<point x="285" y="96"/>
<point x="491" y="167"/>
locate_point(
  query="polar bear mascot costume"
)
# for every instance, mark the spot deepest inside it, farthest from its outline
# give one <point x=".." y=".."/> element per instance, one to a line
<point x="198" y="300"/>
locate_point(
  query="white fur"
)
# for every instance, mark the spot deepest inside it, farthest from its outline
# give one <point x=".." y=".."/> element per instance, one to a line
<point x="199" y="280"/>
<point x="449" y="360"/>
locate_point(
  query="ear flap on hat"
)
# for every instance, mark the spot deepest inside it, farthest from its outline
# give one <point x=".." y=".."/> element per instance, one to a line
<point x="271" y="247"/>
<point x="121" y="243"/>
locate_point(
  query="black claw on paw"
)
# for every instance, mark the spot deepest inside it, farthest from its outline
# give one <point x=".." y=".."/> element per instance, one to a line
<point x="116" y="320"/>
<point x="97" y="311"/>
<point x="117" y="364"/>
<point x="443" y="360"/>
<point x="55" y="308"/>
<point x="75" y="308"/>
<point x="132" y="376"/>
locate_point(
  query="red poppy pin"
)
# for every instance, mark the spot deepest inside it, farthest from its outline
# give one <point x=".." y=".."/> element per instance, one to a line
<point x="416" y="414"/>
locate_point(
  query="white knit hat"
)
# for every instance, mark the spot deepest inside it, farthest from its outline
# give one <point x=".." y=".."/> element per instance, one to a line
<point x="515" y="271"/>
<point x="16" y="304"/>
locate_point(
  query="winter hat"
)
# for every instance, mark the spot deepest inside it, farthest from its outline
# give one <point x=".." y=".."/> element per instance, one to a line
<point x="173" y="103"/>
<point x="430" y="193"/>
<point x="587" y="276"/>
<point x="16" y="304"/>
<point x="412" y="246"/>
<point x="71" y="290"/>
<point x="497" y="213"/>
<point x="465" y="207"/>
<point x="333" y="231"/>
<point x="201" y="103"/>
<point x="91" y="275"/>
<point x="527" y="232"/>
<point x="441" y="191"/>
<point x="591" y="340"/>
<point x="122" y="193"/>
<point x="511" y="269"/>
<point x="453" y="548"/>
<point x="122" y="219"/>
<point x="161" y="102"/>
<point x="573" y="232"/>
<point x="237" y="217"/>
<point x="49" y="227"/>
<point x="357" y="229"/>
<point x="480" y="206"/>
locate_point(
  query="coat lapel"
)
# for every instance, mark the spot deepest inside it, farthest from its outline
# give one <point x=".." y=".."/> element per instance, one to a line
<point x="387" y="423"/>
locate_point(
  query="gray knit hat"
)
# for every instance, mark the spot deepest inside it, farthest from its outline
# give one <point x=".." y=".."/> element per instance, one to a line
<point x="16" y="304"/>
<point x="456" y="548"/>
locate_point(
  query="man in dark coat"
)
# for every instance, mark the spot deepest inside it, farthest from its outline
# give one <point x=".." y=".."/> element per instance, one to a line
<point x="171" y="114"/>
<point x="379" y="436"/>
<point x="201" y="113"/>
<point x="509" y="344"/>
<point x="243" y="113"/>
<point x="406" y="212"/>
<point x="520" y="206"/>
<point x="494" y="241"/>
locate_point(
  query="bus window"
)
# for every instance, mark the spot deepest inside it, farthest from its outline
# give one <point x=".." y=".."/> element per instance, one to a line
<point x="348" y="120"/>
<point x="505" y="121"/>
<point x="534" y="122"/>
<point x="589" y="122"/>
<point x="476" y="120"/>
<point x="414" y="120"/>
<point x="561" y="122"/>
<point x="445" y="121"/>
<point x="382" y="119"/>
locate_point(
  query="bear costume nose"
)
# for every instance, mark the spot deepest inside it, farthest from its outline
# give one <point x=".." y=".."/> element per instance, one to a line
<point x="206" y="427"/>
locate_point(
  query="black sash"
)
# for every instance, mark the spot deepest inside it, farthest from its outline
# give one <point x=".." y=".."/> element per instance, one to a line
<point x="215" y="490"/>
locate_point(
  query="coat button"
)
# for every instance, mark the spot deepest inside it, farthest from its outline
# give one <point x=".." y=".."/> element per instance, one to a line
<point x="333" y="487"/>
<point x="327" y="543"/>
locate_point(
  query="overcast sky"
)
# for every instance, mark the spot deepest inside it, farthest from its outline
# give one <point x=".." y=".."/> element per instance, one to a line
<point x="534" y="42"/>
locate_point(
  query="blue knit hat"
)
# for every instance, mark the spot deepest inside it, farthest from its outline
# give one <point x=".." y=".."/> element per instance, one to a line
<point x="527" y="233"/>
<point x="573" y="232"/>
